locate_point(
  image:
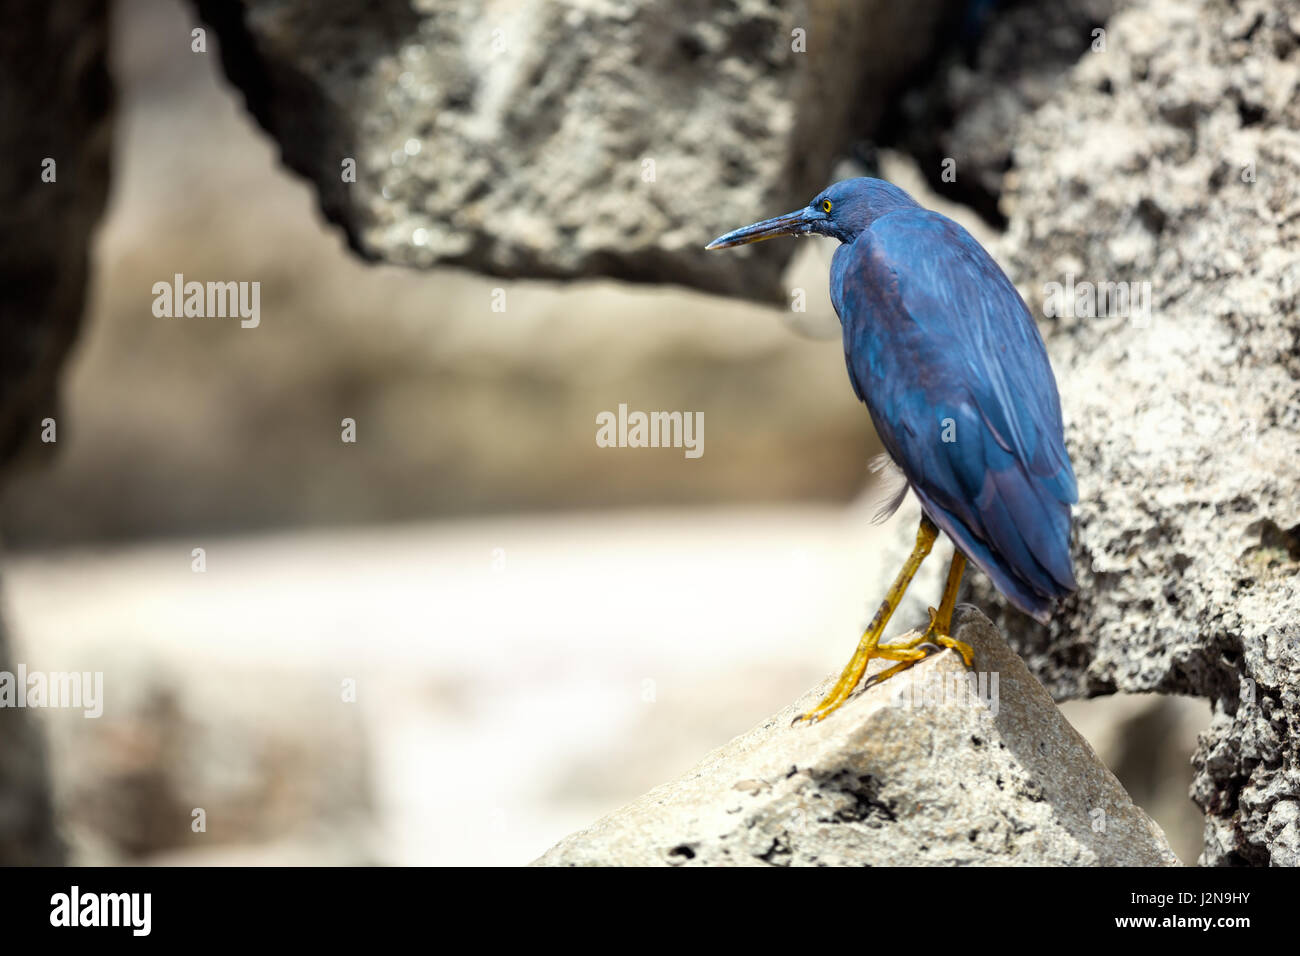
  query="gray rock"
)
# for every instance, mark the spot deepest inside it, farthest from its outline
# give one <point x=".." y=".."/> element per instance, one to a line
<point x="55" y="103"/>
<point x="991" y="81"/>
<point x="1174" y="159"/>
<point x="286" y="763"/>
<point x="513" y="139"/>
<point x="27" y="831"/>
<point x="916" y="770"/>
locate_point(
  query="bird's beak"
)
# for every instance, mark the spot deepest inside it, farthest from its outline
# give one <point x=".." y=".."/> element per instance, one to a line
<point x="791" y="224"/>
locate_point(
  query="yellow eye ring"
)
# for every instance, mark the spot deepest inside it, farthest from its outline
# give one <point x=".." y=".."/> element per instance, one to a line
<point x="826" y="205"/>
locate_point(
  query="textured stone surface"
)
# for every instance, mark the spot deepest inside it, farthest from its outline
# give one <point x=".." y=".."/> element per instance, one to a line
<point x="283" y="762"/>
<point x="55" y="103"/>
<point x="1184" y="429"/>
<point x="512" y="139"/>
<point x="1008" y="59"/>
<point x="902" y="774"/>
<point x="27" y="834"/>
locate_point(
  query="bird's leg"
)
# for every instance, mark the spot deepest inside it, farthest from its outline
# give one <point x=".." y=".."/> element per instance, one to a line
<point x="940" y="629"/>
<point x="869" y="646"/>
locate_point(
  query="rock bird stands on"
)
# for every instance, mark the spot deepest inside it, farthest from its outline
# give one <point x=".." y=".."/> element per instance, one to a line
<point x="947" y="358"/>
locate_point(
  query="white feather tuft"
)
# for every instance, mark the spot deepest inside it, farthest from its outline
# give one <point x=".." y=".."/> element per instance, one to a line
<point x="894" y="483"/>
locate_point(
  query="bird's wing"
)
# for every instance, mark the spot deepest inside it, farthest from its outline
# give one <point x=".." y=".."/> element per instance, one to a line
<point x="947" y="357"/>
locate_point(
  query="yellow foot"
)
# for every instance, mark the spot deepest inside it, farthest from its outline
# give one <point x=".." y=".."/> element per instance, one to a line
<point x="961" y="647"/>
<point x="935" y="634"/>
<point x="907" y="653"/>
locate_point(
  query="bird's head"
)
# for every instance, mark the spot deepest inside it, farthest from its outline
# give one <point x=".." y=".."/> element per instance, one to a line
<point x="842" y="211"/>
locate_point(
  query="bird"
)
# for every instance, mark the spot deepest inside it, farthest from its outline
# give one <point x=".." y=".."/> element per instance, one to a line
<point x="946" y="356"/>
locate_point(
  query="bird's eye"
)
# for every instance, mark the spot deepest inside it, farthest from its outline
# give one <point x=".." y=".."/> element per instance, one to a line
<point x="826" y="205"/>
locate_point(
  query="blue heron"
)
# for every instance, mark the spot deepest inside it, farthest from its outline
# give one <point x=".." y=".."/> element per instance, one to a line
<point x="946" y="356"/>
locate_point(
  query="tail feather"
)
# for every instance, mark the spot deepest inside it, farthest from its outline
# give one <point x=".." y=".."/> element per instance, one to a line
<point x="1008" y="553"/>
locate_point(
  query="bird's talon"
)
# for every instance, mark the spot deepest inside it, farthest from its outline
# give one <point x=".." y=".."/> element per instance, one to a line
<point x="961" y="647"/>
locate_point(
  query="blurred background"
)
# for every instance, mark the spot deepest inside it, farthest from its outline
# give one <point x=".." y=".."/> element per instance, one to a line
<point x="537" y="629"/>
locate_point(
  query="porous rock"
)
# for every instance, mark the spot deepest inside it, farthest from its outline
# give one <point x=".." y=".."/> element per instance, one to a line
<point x="570" y="139"/>
<point x="939" y="765"/>
<point x="1172" y="159"/>
<point x="55" y="135"/>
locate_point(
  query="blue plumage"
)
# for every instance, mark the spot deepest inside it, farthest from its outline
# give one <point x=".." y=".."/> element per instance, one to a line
<point x="947" y="358"/>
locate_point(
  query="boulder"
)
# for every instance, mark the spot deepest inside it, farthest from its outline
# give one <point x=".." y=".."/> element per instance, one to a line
<point x="27" y="830"/>
<point x="939" y="765"/>
<point x="1008" y="59"/>
<point x="1170" y="163"/>
<point x="55" y="135"/>
<point x="570" y="139"/>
